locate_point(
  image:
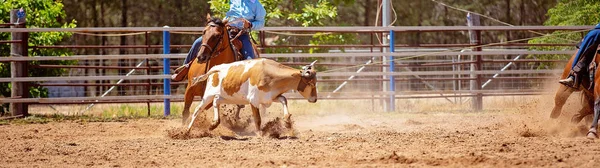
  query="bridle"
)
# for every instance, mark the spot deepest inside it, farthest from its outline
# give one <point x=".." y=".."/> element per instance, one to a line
<point x="211" y="49"/>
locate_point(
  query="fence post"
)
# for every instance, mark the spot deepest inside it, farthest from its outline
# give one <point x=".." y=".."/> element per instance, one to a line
<point x="166" y="70"/>
<point x="475" y="39"/>
<point x="18" y="69"/>
<point x="392" y="87"/>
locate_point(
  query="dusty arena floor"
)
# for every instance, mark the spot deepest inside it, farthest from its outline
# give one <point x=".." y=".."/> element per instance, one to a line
<point x="522" y="136"/>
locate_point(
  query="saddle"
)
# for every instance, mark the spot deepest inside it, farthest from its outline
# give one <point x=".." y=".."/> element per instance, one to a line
<point x="592" y="67"/>
<point x="235" y="32"/>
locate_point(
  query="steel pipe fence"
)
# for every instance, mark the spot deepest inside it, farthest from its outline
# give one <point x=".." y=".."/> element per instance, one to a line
<point x="420" y="70"/>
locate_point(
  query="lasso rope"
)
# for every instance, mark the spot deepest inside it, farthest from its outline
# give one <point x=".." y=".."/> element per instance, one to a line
<point x="494" y="19"/>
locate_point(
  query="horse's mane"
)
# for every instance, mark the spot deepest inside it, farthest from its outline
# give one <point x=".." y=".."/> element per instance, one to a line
<point x="216" y="20"/>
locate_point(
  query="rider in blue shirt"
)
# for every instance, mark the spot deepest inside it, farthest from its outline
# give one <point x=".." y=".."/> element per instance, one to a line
<point x="252" y="14"/>
<point x="587" y="50"/>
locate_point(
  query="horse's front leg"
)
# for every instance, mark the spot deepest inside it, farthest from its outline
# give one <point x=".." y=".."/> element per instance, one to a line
<point x="561" y="96"/>
<point x="188" y="99"/>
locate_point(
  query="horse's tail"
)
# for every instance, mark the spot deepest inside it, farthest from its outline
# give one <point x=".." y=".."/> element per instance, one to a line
<point x="203" y="78"/>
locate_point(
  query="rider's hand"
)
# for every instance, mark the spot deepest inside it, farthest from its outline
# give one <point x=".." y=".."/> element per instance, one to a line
<point x="247" y="24"/>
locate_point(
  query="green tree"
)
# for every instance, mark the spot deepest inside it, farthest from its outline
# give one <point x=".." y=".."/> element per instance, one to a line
<point x="39" y="13"/>
<point x="568" y="13"/>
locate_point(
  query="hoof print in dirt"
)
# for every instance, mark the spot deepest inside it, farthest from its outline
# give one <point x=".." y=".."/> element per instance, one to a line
<point x="183" y="134"/>
<point x="234" y="138"/>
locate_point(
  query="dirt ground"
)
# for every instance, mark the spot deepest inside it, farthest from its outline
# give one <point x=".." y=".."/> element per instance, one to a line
<point x="520" y="135"/>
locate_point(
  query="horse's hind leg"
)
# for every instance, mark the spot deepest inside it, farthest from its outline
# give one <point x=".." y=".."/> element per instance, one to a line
<point x="592" y="133"/>
<point x="587" y="108"/>
<point x="561" y="96"/>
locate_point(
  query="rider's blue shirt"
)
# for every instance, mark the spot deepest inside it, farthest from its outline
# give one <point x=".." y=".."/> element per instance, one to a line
<point x="251" y="10"/>
<point x="590" y="41"/>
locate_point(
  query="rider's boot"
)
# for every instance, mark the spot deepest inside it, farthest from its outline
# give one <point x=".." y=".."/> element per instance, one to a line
<point x="180" y="73"/>
<point x="569" y="81"/>
<point x="573" y="79"/>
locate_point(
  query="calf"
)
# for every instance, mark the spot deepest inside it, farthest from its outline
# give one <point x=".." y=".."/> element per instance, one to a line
<point x="257" y="82"/>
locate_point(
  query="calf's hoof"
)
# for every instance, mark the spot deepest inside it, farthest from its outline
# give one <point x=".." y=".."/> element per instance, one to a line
<point x="259" y="133"/>
<point x="214" y="125"/>
<point x="288" y="121"/>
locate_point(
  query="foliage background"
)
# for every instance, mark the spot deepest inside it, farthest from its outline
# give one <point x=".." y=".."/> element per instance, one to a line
<point x="39" y="13"/>
<point x="568" y="13"/>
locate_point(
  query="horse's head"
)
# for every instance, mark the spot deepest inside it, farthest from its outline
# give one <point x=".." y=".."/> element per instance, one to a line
<point x="211" y="38"/>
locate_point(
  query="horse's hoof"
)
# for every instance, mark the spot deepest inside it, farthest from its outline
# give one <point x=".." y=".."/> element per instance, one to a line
<point x="554" y="115"/>
<point x="592" y="135"/>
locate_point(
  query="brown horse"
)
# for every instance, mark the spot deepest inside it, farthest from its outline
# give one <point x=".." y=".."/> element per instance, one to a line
<point x="216" y="49"/>
<point x="563" y="93"/>
<point x="590" y="95"/>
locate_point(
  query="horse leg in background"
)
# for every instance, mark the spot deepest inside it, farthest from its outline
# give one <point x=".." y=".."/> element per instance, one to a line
<point x="236" y="111"/>
<point x="560" y="98"/>
<point x="587" y="102"/>
<point x="256" y="115"/>
<point x="286" y="113"/>
<point x="216" y="120"/>
<point x="592" y="133"/>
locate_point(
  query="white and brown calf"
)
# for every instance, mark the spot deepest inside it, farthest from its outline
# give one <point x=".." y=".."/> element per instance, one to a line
<point x="258" y="82"/>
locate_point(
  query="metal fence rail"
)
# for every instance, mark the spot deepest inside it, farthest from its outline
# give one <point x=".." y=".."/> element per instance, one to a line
<point x="427" y="71"/>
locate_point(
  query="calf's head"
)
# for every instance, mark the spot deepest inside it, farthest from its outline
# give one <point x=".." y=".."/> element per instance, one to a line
<point x="307" y="87"/>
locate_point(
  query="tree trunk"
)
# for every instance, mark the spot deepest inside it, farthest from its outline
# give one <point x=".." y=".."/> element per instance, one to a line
<point x="508" y="20"/>
<point x="367" y="7"/>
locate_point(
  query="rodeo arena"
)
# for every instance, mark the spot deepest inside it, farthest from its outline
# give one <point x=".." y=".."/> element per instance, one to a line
<point x="374" y="103"/>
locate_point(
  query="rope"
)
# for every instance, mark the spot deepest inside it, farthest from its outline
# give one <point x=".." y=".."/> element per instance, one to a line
<point x="453" y="50"/>
<point x="110" y="35"/>
<point x="494" y="19"/>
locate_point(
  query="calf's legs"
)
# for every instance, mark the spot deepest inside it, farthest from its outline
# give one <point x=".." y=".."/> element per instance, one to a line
<point x="216" y="120"/>
<point x="205" y="103"/>
<point x="286" y="114"/>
